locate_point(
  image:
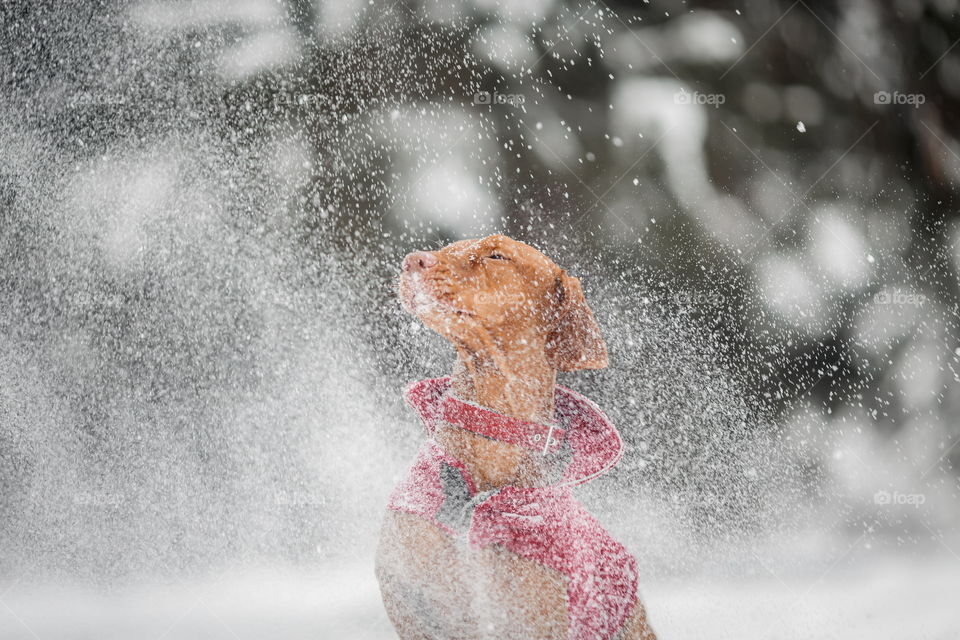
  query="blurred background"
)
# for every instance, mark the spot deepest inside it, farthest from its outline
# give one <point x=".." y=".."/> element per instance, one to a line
<point x="203" y="206"/>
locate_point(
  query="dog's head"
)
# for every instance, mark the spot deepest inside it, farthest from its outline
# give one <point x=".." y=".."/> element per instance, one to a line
<point x="498" y="293"/>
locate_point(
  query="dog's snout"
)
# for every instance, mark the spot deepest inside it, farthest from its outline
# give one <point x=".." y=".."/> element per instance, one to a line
<point x="419" y="261"/>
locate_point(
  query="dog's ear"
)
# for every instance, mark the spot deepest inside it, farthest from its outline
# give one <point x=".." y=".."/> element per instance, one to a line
<point x="575" y="342"/>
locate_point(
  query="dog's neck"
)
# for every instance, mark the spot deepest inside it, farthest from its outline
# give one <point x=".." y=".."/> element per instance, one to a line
<point x="518" y="383"/>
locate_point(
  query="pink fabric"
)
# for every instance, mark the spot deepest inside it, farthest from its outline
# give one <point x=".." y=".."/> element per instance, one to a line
<point x="544" y="524"/>
<point x="420" y="492"/>
<point x="594" y="444"/>
<point x="541" y="438"/>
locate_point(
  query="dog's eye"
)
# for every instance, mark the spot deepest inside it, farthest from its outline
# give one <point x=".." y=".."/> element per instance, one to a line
<point x="497" y="256"/>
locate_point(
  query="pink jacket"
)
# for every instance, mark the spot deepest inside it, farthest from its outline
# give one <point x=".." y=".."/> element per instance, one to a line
<point x="544" y="524"/>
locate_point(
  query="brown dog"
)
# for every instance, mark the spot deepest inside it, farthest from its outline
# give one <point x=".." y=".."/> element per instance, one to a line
<point x="515" y="318"/>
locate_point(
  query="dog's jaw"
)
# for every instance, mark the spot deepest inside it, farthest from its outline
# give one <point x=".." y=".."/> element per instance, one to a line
<point x="415" y="297"/>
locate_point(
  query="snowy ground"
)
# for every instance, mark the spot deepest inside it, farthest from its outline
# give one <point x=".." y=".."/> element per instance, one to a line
<point x="895" y="600"/>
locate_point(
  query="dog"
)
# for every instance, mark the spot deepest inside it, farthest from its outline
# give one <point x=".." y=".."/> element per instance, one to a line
<point x="483" y="537"/>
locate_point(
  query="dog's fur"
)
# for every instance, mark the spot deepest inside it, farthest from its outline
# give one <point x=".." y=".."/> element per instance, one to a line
<point x="514" y="318"/>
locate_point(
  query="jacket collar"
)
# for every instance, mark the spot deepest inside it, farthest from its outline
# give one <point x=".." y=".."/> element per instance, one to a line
<point x="582" y="431"/>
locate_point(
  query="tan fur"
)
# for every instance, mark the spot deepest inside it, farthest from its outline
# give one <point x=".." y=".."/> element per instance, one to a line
<point x="514" y="319"/>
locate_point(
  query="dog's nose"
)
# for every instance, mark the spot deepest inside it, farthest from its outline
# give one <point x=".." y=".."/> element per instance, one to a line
<point x="419" y="261"/>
